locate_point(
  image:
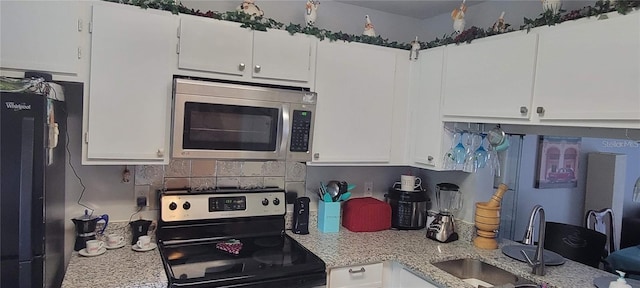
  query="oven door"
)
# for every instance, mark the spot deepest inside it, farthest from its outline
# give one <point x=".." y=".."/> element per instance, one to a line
<point x="229" y="128"/>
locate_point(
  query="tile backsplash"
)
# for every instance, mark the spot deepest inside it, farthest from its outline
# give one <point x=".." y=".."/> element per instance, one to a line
<point x="202" y="174"/>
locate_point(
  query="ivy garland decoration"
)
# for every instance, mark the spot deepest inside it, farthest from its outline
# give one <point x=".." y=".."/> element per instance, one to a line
<point x="262" y="23"/>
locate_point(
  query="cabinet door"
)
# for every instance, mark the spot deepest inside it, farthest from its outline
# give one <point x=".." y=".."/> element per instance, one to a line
<point x="40" y="35"/>
<point x="279" y="55"/>
<point x="410" y="280"/>
<point x="355" y="86"/>
<point x="133" y="56"/>
<point x="369" y="275"/>
<point x="425" y="98"/>
<point x="590" y="71"/>
<point x="491" y="78"/>
<point x="214" y="46"/>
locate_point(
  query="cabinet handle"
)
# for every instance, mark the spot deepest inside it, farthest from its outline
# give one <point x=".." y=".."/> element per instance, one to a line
<point x="241" y="67"/>
<point x="429" y="158"/>
<point x="316" y="155"/>
<point x="257" y="69"/>
<point x="523" y="110"/>
<point x="540" y="110"/>
<point x="160" y="152"/>
<point x="357" y="271"/>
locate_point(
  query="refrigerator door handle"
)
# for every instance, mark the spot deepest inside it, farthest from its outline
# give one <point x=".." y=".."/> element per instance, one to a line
<point x="26" y="188"/>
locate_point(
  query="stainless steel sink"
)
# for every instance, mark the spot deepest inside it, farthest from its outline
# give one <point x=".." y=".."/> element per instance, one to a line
<point x="467" y="269"/>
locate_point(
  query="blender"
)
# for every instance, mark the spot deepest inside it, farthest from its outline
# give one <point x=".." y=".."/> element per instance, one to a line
<point x="449" y="200"/>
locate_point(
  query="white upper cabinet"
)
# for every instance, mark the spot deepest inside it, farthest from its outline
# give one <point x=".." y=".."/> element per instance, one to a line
<point x="41" y="35"/>
<point x="210" y="45"/>
<point x="426" y="124"/>
<point x="223" y="50"/>
<point x="490" y="78"/>
<point x="279" y="55"/>
<point x="133" y="57"/>
<point x="590" y="72"/>
<point x="355" y="86"/>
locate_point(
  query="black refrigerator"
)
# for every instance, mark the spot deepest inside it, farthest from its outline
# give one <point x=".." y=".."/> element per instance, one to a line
<point x="32" y="184"/>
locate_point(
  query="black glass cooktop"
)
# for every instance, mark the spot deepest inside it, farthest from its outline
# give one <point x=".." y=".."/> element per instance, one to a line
<point x="241" y="260"/>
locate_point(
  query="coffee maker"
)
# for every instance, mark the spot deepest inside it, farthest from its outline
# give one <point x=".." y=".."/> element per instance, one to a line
<point x="139" y="228"/>
<point x="449" y="200"/>
<point x="86" y="228"/>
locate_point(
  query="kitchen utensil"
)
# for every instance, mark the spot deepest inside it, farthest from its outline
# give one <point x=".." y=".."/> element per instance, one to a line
<point x="550" y="258"/>
<point x="333" y="189"/>
<point x="85" y="227"/>
<point x="345" y="196"/>
<point x="496" y="136"/>
<point x="327" y="198"/>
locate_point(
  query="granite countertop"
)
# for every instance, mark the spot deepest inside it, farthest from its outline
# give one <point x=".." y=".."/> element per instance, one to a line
<point x="413" y="250"/>
<point x="122" y="267"/>
<point x="127" y="268"/>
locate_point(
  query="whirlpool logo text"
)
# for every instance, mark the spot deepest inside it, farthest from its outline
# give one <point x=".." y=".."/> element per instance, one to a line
<point x="17" y="107"/>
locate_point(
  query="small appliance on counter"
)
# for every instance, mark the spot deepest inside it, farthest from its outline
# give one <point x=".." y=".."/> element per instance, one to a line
<point x="139" y="228"/>
<point x="366" y="215"/>
<point x="449" y="200"/>
<point x="408" y="208"/>
<point x="301" y="215"/>
<point x="86" y="228"/>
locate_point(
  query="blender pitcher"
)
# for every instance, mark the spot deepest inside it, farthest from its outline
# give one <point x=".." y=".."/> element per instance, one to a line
<point x="449" y="199"/>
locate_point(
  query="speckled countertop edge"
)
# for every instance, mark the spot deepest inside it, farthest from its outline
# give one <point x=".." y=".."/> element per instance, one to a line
<point x="413" y="250"/>
<point x="121" y="267"/>
<point x="126" y="268"/>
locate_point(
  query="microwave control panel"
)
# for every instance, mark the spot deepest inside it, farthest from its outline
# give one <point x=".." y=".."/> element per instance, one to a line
<point x="300" y="131"/>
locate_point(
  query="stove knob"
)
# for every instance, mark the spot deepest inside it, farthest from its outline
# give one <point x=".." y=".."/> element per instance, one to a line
<point x="276" y="201"/>
<point x="173" y="206"/>
<point x="265" y="202"/>
<point x="186" y="205"/>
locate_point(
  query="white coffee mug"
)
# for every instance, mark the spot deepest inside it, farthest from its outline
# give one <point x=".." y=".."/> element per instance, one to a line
<point x="144" y="241"/>
<point x="114" y="239"/>
<point x="93" y="246"/>
<point x="409" y="183"/>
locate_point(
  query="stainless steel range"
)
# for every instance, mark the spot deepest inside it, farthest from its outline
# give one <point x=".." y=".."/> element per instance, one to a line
<point x="232" y="238"/>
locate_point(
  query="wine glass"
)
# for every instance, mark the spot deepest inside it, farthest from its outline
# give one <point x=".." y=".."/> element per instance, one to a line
<point x="481" y="153"/>
<point x="459" y="151"/>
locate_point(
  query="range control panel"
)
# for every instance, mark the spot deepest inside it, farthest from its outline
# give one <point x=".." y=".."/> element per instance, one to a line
<point x="186" y="206"/>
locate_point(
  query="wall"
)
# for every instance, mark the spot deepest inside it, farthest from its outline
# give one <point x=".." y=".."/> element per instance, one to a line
<point x="333" y="16"/>
<point x="474" y="187"/>
<point x="566" y="205"/>
<point x="483" y="15"/>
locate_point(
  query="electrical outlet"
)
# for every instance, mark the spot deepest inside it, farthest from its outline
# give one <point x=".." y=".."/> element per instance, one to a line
<point x="368" y="189"/>
<point x="141" y="192"/>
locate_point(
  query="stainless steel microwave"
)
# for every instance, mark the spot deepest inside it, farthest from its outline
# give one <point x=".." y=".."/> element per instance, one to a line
<point x="233" y="121"/>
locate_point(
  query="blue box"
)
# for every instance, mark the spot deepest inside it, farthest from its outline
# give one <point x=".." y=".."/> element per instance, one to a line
<point x="328" y="216"/>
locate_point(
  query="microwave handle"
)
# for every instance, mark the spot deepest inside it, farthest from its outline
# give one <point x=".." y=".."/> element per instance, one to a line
<point x="285" y="121"/>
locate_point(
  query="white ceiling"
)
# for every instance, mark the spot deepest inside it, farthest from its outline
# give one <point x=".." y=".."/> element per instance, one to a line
<point x="419" y="9"/>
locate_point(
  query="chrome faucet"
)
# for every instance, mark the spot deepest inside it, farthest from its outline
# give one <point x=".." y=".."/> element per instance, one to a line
<point x="538" y="262"/>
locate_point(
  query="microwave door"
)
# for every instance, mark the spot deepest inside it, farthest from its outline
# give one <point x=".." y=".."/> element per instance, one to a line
<point x="226" y="128"/>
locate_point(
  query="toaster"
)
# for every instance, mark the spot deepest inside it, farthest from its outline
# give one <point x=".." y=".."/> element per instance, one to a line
<point x="366" y="215"/>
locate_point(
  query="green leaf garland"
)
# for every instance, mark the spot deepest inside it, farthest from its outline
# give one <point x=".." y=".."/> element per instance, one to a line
<point x="262" y="24"/>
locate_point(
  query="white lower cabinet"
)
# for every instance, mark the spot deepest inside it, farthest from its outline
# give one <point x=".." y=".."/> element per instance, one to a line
<point x="399" y="276"/>
<point x="368" y="275"/>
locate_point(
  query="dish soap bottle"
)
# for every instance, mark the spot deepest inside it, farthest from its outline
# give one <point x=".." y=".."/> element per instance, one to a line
<point x="620" y="282"/>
